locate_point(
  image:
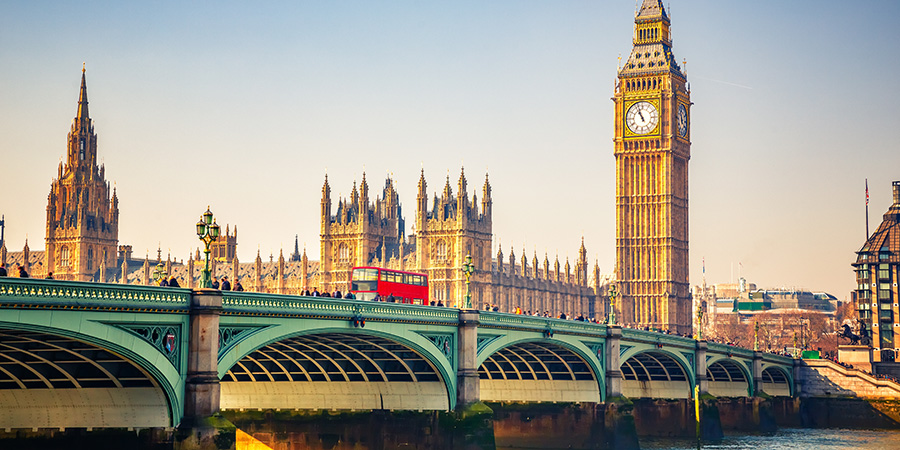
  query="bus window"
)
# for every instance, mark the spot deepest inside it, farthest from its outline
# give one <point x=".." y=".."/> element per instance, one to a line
<point x="364" y="280"/>
<point x="391" y="277"/>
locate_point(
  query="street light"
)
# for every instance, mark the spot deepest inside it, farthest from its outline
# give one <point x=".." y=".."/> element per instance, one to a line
<point x="468" y="269"/>
<point x="208" y="232"/>
<point x="756" y="337"/>
<point x="699" y="321"/>
<point x="613" y="293"/>
<point x="159" y="274"/>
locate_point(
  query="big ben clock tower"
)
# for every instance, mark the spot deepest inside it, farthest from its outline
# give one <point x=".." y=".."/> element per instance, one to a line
<point x="652" y="149"/>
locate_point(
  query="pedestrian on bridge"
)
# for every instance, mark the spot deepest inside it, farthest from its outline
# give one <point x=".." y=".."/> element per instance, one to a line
<point x="3" y="270"/>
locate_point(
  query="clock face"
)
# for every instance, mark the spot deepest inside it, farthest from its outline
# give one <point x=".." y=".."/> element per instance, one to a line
<point x="642" y="118"/>
<point x="682" y="120"/>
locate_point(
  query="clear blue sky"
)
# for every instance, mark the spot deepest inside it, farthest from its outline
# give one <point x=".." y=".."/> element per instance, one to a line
<point x="245" y="105"/>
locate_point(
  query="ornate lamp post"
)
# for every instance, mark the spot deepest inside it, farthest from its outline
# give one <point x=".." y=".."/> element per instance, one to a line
<point x="613" y="293"/>
<point x="699" y="322"/>
<point x="468" y="269"/>
<point x="756" y="337"/>
<point x="159" y="273"/>
<point x="208" y="232"/>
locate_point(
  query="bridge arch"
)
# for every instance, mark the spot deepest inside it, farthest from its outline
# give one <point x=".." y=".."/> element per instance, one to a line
<point x="337" y="367"/>
<point x="540" y="369"/>
<point x="777" y="381"/>
<point x="79" y="371"/>
<point x="656" y="373"/>
<point x="729" y="378"/>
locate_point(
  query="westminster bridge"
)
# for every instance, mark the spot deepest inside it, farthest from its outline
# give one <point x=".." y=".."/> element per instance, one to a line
<point x="89" y="355"/>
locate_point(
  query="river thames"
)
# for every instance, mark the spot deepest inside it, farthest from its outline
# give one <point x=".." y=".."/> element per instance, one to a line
<point x="791" y="439"/>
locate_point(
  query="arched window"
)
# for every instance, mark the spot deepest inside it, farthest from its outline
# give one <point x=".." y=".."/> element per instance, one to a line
<point x="441" y="251"/>
<point x="64" y="257"/>
<point x="344" y="253"/>
<point x="90" y="259"/>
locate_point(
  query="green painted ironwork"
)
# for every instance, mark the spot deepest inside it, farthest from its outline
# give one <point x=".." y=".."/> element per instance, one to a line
<point x="444" y="343"/>
<point x="484" y="340"/>
<point x="28" y="292"/>
<point x="489" y="319"/>
<point x="231" y="336"/>
<point x="158" y="335"/>
<point x="251" y="303"/>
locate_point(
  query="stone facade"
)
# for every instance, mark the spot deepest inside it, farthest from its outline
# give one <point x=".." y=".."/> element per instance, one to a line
<point x="820" y="378"/>
<point x="652" y="150"/>
<point x="453" y="226"/>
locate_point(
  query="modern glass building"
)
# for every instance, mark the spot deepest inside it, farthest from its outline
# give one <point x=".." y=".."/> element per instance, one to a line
<point x="877" y="268"/>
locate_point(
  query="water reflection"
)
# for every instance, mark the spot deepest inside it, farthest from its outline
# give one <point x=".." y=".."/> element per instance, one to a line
<point x="791" y="439"/>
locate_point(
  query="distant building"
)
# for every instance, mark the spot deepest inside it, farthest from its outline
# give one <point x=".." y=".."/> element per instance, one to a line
<point x="743" y="302"/>
<point x="363" y="232"/>
<point x="877" y="269"/>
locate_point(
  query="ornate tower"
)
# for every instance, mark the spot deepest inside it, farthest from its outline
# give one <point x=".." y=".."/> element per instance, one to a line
<point x="652" y="149"/>
<point x="82" y="219"/>
<point x="360" y="233"/>
<point x="452" y="229"/>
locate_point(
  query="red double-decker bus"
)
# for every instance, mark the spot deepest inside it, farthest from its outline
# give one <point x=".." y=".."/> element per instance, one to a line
<point x="406" y="287"/>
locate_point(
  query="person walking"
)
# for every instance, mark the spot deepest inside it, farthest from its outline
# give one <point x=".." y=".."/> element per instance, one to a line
<point x="22" y="272"/>
<point x="3" y="272"/>
<point x="226" y="285"/>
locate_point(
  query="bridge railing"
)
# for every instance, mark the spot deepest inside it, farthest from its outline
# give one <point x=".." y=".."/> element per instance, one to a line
<point x="38" y="293"/>
<point x="253" y="303"/>
<point x="521" y="321"/>
<point x="653" y="337"/>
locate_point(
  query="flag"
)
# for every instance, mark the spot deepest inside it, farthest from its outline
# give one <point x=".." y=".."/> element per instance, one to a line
<point x="867" y="192"/>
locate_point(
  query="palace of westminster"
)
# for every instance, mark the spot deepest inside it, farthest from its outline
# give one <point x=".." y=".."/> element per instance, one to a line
<point x="651" y="149"/>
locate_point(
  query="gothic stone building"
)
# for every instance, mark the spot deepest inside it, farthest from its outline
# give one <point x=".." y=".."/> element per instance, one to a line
<point x="652" y="149"/>
<point x="371" y="233"/>
<point x="82" y="219"/>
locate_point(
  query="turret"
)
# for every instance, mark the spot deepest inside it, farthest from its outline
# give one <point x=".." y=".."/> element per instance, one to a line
<point x="524" y="263"/>
<point x="325" y="207"/>
<point x="257" y="268"/>
<point x="486" y="201"/>
<point x="462" y="207"/>
<point x="304" y="271"/>
<point x="421" y="202"/>
<point x="363" y="204"/>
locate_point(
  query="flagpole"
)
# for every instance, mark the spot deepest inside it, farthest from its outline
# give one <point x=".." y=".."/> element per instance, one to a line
<point x="867" y="209"/>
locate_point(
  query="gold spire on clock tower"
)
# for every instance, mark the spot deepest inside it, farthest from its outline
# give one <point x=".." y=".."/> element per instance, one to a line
<point x="652" y="150"/>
